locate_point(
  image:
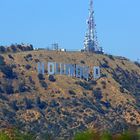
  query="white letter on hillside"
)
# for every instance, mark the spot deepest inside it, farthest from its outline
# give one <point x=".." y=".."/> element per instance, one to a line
<point x="79" y="71"/>
<point x="62" y="69"/>
<point x="57" y="68"/>
<point x="70" y="70"/>
<point x="51" y="70"/>
<point x="86" y="73"/>
<point x="41" y="68"/>
<point x="96" y="72"/>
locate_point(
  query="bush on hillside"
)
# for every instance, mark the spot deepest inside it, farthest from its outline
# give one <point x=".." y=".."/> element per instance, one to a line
<point x="2" y="60"/>
<point x="52" y="78"/>
<point x="9" y="89"/>
<point x="44" y="84"/>
<point x="103" y="84"/>
<point x="28" y="66"/>
<point x="31" y="80"/>
<point x="1" y="90"/>
<point x="13" y="47"/>
<point x="23" y="88"/>
<point x="97" y="94"/>
<point x="106" y="104"/>
<point x="40" y="104"/>
<point x="3" y="97"/>
<point x="8" y="71"/>
<point x="93" y="82"/>
<point x="2" y="49"/>
<point x="28" y="103"/>
<point x="54" y="103"/>
<point x="85" y="85"/>
<point x="14" y="105"/>
<point x="71" y="92"/>
<point x="103" y="75"/>
<point x="111" y="57"/>
<point x="105" y="65"/>
<point x="13" y="66"/>
<point x="11" y="57"/>
<point x="82" y="62"/>
<point x="28" y="57"/>
<point x="41" y="77"/>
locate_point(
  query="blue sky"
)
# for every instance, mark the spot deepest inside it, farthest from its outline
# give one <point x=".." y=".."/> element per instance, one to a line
<point x="43" y="22"/>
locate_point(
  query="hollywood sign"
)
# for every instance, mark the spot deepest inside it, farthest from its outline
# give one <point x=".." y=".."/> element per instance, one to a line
<point x="72" y="70"/>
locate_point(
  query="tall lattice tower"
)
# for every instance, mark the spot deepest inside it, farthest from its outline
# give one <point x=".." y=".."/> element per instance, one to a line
<point x="91" y="41"/>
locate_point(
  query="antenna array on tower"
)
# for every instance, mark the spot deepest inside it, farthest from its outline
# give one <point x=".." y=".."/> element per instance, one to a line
<point x="91" y="41"/>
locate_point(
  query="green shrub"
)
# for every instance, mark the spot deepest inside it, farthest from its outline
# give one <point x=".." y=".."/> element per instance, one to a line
<point x="138" y="134"/>
<point x="106" y="136"/>
<point x="87" y="135"/>
<point x="3" y="136"/>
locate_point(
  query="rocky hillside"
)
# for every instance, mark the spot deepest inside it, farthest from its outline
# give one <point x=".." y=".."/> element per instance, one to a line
<point x="60" y="106"/>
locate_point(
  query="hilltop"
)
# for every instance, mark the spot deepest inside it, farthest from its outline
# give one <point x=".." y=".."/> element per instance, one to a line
<point x="14" y="48"/>
<point x="62" y="105"/>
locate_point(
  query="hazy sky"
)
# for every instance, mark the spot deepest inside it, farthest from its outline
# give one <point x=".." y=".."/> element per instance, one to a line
<point x="43" y="22"/>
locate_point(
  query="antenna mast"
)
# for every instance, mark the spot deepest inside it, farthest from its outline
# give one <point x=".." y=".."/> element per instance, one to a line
<point x="91" y="41"/>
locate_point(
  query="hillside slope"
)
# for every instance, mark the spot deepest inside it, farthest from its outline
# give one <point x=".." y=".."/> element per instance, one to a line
<point x="65" y="105"/>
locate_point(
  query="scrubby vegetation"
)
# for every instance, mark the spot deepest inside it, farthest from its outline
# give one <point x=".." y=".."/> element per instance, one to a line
<point x="15" y="134"/>
<point x="8" y="71"/>
<point x="91" y="135"/>
<point x="2" y="60"/>
<point x="52" y="78"/>
<point x="13" y="48"/>
<point x="62" y="105"/>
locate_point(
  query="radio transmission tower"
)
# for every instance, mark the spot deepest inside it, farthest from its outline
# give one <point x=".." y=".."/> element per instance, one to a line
<point x="91" y="41"/>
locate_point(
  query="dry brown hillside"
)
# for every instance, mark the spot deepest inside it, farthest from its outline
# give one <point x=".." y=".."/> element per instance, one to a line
<point x="65" y="105"/>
